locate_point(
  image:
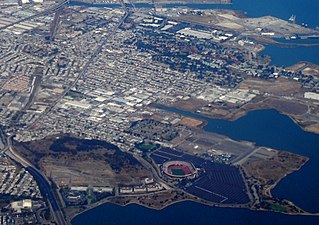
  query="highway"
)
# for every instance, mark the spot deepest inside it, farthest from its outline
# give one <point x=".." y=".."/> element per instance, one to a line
<point x="155" y="173"/>
<point x="3" y="142"/>
<point x="34" y="88"/>
<point x="46" y="190"/>
<point x="85" y="67"/>
<point x="54" y="25"/>
<point x="45" y="12"/>
<point x="42" y="181"/>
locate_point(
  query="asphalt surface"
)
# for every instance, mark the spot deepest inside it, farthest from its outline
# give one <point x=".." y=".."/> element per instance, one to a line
<point x="47" y="192"/>
<point x="44" y="185"/>
<point x="45" y="12"/>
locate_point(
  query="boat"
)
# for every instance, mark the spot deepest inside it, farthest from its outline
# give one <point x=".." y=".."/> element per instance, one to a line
<point x="292" y="19"/>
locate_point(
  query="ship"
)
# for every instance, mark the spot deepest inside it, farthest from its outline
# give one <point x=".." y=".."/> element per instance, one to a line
<point x="292" y="19"/>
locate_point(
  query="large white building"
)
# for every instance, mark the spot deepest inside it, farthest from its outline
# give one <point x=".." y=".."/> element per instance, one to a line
<point x="312" y="95"/>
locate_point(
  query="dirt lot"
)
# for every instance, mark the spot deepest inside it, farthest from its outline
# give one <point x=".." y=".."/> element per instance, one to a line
<point x="191" y="122"/>
<point x="306" y="68"/>
<point x="234" y="21"/>
<point x="88" y="171"/>
<point x="270" y="171"/>
<point x="189" y="104"/>
<point x="83" y="162"/>
<point x="278" y="87"/>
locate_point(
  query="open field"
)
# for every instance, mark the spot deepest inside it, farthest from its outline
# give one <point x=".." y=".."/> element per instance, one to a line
<point x="190" y="104"/>
<point x="284" y="95"/>
<point x="267" y="173"/>
<point x="279" y="87"/>
<point x="71" y="161"/>
<point x="288" y="107"/>
<point x="191" y="122"/>
<point x="235" y="21"/>
<point x="270" y="171"/>
<point x="306" y="68"/>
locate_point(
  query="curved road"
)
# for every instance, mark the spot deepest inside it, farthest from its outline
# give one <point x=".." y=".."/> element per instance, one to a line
<point x="46" y="190"/>
<point x="42" y="181"/>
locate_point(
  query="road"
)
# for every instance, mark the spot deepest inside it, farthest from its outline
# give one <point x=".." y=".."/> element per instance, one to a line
<point x="55" y="24"/>
<point x="85" y="67"/>
<point x="123" y="5"/>
<point x="34" y="88"/>
<point x="148" y="166"/>
<point x="45" y="12"/>
<point x="42" y="181"/>
<point x="47" y="191"/>
<point x="242" y="159"/>
<point x="3" y="142"/>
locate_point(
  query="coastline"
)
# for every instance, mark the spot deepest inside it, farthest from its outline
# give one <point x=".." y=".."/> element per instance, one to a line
<point x="233" y="116"/>
<point x="266" y="40"/>
<point x="146" y="4"/>
<point x="269" y="189"/>
<point x="199" y="201"/>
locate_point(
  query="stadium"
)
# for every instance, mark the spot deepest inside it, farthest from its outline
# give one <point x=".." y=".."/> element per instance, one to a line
<point x="178" y="169"/>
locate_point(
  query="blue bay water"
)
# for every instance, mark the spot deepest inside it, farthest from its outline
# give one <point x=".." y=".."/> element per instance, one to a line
<point x="286" y="56"/>
<point x="305" y="10"/>
<point x="271" y="129"/>
<point x="264" y="127"/>
<point x="186" y="213"/>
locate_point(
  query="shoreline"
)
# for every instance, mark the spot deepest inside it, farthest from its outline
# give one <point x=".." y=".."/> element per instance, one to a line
<point x="271" y="187"/>
<point x="232" y="118"/>
<point x="107" y="201"/>
<point x="147" y="4"/>
<point x="200" y="201"/>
